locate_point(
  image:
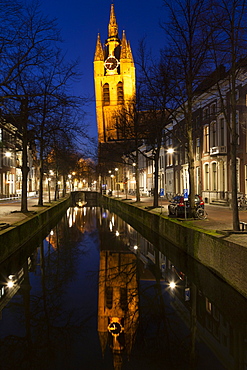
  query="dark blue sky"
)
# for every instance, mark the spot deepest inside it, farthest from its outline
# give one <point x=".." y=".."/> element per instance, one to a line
<point x="80" y="21"/>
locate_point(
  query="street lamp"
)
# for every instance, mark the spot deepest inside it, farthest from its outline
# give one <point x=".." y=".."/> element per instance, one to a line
<point x="8" y="154"/>
<point x="172" y="285"/>
<point x="170" y="150"/>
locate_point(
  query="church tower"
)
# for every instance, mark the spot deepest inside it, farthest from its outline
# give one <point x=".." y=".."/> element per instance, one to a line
<point x="114" y="78"/>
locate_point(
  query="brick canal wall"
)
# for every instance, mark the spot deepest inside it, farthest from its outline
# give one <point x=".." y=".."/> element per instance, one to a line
<point x="228" y="260"/>
<point x="18" y="234"/>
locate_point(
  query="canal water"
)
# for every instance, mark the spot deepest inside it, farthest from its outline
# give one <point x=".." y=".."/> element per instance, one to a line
<point x="95" y="294"/>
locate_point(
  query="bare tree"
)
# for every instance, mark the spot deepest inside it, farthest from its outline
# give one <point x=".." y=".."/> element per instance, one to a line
<point x="188" y="39"/>
<point x="229" y="49"/>
<point x="26" y="45"/>
<point x="34" y="80"/>
<point x="156" y="92"/>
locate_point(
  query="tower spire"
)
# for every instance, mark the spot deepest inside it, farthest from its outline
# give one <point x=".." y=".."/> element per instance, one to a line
<point x="126" y="52"/>
<point x="99" y="55"/>
<point x="112" y="27"/>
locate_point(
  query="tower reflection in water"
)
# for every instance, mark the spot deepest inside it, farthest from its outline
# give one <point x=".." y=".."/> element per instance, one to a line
<point x="118" y="310"/>
<point x="118" y="303"/>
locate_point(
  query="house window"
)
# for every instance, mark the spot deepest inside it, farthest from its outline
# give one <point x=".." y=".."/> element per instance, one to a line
<point x="213" y="109"/>
<point x="222" y="132"/>
<point x="206" y="177"/>
<point x="208" y="306"/>
<point x="205" y="113"/>
<point x="213" y="134"/>
<point x="169" y="159"/>
<point x="197" y="148"/>
<point x="106" y="94"/>
<point x="206" y="139"/>
<point x="120" y="95"/>
<point x="214" y="176"/>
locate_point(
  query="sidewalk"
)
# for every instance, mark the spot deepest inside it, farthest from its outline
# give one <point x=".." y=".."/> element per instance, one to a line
<point x="10" y="211"/>
<point x="219" y="218"/>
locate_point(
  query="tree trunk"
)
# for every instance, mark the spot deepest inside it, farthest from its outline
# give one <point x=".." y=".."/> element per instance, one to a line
<point x="138" y="197"/>
<point x="234" y="144"/>
<point x="64" y="185"/>
<point x="156" y="179"/>
<point x="24" y="168"/>
<point x="235" y="215"/>
<point x="191" y="159"/>
<point x="41" y="175"/>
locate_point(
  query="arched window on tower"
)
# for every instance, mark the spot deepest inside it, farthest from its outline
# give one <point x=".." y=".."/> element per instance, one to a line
<point x="120" y="94"/>
<point x="106" y="94"/>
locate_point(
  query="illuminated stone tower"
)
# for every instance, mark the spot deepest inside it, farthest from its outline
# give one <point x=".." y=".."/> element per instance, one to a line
<point x="114" y="78"/>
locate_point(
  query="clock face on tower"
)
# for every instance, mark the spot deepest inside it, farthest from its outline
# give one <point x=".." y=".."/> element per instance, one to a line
<point x="111" y="63"/>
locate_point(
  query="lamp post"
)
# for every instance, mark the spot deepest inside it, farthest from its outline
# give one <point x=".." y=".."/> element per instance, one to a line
<point x="69" y="177"/>
<point x="110" y="186"/>
<point x="134" y="176"/>
<point x="170" y="152"/>
<point x="49" y="190"/>
<point x="116" y="169"/>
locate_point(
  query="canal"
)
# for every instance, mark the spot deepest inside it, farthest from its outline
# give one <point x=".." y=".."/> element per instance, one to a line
<point x="95" y="294"/>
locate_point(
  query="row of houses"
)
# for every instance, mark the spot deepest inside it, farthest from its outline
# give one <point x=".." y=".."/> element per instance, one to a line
<point x="11" y="162"/>
<point x="211" y="139"/>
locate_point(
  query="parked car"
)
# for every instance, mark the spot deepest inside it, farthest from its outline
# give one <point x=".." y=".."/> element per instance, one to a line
<point x="177" y="205"/>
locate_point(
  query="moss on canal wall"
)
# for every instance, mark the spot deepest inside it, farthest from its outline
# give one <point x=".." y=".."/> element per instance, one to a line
<point x="228" y="260"/>
<point x="14" y="237"/>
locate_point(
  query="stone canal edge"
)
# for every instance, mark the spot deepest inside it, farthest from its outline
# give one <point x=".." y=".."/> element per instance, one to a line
<point x="19" y="233"/>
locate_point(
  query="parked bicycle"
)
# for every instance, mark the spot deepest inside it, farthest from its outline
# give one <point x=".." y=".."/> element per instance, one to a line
<point x="201" y="213"/>
<point x="242" y="203"/>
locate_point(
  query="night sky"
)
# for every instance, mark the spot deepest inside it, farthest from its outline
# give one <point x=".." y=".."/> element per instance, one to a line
<point x="80" y="21"/>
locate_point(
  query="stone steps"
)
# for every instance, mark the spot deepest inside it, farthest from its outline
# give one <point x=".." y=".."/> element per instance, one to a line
<point x="220" y="202"/>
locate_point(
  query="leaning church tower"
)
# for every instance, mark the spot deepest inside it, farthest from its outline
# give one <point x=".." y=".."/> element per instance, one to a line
<point x="114" y="78"/>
